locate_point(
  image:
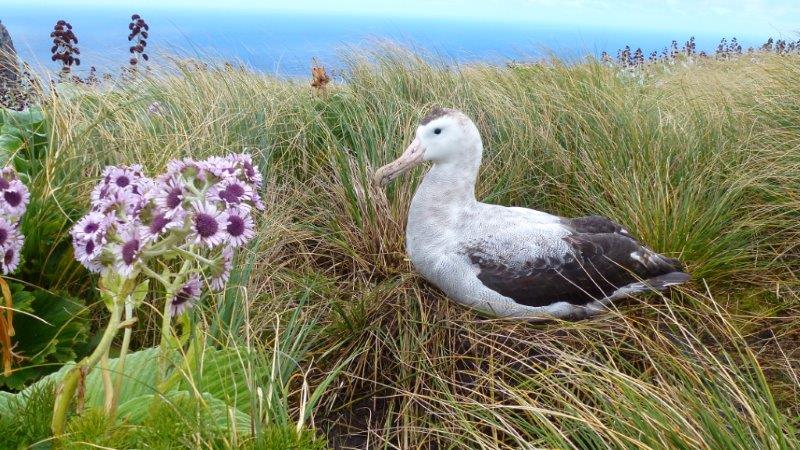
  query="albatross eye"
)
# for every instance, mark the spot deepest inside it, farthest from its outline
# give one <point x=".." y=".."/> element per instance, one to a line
<point x="437" y="131"/>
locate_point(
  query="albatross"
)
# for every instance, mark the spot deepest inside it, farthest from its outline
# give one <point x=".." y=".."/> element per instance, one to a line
<point x="510" y="261"/>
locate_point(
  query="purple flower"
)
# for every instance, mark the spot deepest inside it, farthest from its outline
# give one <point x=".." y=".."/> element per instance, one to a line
<point x="120" y="203"/>
<point x="177" y="166"/>
<point x="123" y="191"/>
<point x="186" y="296"/>
<point x="119" y="178"/>
<point x="99" y="193"/>
<point x="10" y="245"/>
<point x="87" y="252"/>
<point x="7" y="174"/>
<point x="8" y="233"/>
<point x="11" y="257"/>
<point x="232" y="192"/>
<point x="219" y="166"/>
<point x="207" y="225"/>
<point x="239" y="227"/>
<point x="122" y="188"/>
<point x="169" y="195"/>
<point x="258" y="203"/>
<point x="234" y="166"/>
<point x="161" y="224"/>
<point x="185" y="167"/>
<point x="14" y="198"/>
<point x="206" y="203"/>
<point x="128" y="251"/>
<point x="88" y="238"/>
<point x="222" y="272"/>
<point x="250" y="171"/>
<point x="92" y="226"/>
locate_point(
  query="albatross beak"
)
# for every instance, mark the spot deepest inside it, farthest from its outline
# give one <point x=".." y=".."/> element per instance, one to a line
<point x="410" y="158"/>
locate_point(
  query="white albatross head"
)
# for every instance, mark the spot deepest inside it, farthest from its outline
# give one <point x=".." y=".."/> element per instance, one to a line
<point x="444" y="136"/>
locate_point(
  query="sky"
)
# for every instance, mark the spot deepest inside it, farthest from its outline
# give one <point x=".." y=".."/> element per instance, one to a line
<point x="765" y="17"/>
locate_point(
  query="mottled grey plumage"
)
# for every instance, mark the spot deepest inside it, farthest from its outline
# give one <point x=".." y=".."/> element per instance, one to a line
<point x="434" y="113"/>
<point x="594" y="224"/>
<point x="595" y="267"/>
<point x="507" y="261"/>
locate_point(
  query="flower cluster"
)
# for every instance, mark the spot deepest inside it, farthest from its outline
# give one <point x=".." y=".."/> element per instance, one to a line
<point x="65" y="46"/>
<point x="14" y="197"/>
<point x="139" y="32"/>
<point x="198" y="211"/>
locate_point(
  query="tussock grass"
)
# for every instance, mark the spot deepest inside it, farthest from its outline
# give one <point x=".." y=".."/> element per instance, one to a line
<point x="701" y="162"/>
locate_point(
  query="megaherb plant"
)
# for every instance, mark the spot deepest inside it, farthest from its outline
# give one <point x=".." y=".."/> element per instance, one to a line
<point x="180" y="230"/>
<point x="13" y="201"/>
<point x="49" y="328"/>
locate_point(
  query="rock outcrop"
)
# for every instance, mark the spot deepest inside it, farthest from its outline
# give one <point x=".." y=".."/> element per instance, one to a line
<point x="9" y="68"/>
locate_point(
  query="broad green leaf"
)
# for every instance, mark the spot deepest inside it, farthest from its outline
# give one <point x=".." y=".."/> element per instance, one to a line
<point x="10" y="129"/>
<point x="223" y="376"/>
<point x="9" y="144"/>
<point x="30" y="118"/>
<point x="47" y="335"/>
<point x="21" y="164"/>
<point x="139" y="377"/>
<point x="221" y="381"/>
<point x="5" y="398"/>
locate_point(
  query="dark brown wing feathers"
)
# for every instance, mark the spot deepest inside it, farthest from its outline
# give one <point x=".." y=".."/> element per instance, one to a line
<point x="600" y="261"/>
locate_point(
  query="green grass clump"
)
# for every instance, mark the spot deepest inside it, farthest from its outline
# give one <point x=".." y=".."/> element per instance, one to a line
<point x="701" y="162"/>
<point x="24" y="422"/>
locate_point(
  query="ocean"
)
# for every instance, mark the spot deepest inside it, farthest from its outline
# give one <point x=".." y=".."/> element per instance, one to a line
<point x="285" y="44"/>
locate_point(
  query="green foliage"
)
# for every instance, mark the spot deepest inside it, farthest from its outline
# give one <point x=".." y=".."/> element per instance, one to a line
<point x="288" y="438"/>
<point x="50" y="330"/>
<point x="211" y="406"/>
<point x="94" y="428"/>
<point x="25" y="419"/>
<point x="47" y="254"/>
<point x="182" y="421"/>
<point x="177" y="421"/>
<point x="700" y="161"/>
<point x="23" y="141"/>
<point x="229" y="311"/>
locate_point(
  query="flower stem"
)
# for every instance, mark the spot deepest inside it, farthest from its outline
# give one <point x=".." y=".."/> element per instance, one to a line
<point x="7" y="329"/>
<point x="166" y="321"/>
<point x="126" y="340"/>
<point x="66" y="388"/>
<point x="108" y="385"/>
<point x="190" y="357"/>
<point x="199" y="258"/>
<point x="190" y="187"/>
<point x="165" y="331"/>
<point x="164" y="244"/>
<point x="152" y="274"/>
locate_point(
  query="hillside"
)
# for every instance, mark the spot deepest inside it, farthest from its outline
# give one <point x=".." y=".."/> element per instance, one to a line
<point x="700" y="159"/>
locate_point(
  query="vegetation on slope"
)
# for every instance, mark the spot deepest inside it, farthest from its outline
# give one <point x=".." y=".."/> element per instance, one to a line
<point x="702" y="162"/>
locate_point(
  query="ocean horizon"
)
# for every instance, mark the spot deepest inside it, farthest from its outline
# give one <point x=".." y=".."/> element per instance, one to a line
<point x="285" y="44"/>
